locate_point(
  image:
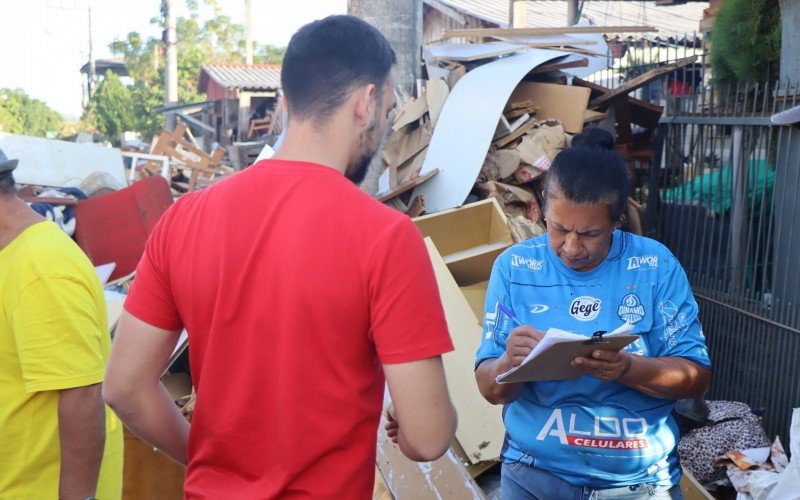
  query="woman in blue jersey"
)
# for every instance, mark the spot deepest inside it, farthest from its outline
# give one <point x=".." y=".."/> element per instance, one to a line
<point x="609" y="433"/>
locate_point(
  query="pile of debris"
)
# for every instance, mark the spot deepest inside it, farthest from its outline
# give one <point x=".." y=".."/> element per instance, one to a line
<point x="177" y="156"/>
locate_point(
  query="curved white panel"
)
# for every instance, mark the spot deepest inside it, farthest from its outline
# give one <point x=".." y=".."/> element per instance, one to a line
<point x="466" y="126"/>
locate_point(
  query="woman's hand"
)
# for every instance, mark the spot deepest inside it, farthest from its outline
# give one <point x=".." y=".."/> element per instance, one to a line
<point x="605" y="365"/>
<point x="520" y="343"/>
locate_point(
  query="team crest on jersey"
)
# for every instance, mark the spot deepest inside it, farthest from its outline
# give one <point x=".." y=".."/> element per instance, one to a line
<point x="631" y="309"/>
<point x="585" y="308"/>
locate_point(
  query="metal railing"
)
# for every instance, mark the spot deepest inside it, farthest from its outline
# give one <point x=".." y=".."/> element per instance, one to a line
<point x="723" y="195"/>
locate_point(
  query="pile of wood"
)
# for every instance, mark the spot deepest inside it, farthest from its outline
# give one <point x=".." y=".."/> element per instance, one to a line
<point x="190" y="168"/>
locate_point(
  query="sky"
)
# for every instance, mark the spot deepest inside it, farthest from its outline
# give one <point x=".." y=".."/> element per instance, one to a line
<point x="44" y="43"/>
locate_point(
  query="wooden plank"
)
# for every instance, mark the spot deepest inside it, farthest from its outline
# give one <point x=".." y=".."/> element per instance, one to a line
<point x="69" y="202"/>
<point x="480" y="424"/>
<point x="406" y="186"/>
<point x="547" y="68"/>
<point x="446" y="477"/>
<point x="466" y="52"/>
<point x="496" y="32"/>
<point x="642" y="80"/>
<point x="516" y="134"/>
<point x="642" y="113"/>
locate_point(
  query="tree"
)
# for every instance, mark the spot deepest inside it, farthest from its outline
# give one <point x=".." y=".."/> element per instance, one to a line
<point x="111" y="108"/>
<point x="218" y="39"/>
<point x="22" y="114"/>
<point x="746" y="41"/>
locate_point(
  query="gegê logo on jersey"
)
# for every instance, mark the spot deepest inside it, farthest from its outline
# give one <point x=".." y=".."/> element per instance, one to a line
<point x="584" y="308"/>
<point x="612" y="433"/>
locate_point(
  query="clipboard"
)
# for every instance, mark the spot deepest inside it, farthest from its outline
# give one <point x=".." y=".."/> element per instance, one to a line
<point x="554" y="362"/>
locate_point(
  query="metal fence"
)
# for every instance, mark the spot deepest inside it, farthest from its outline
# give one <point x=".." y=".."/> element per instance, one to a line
<point x="723" y="194"/>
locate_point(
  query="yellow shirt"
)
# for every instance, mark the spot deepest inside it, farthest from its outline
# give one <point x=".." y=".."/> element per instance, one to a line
<point x="53" y="336"/>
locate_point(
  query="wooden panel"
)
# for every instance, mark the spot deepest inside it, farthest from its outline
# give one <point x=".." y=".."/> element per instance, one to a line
<point x="148" y="474"/>
<point x="114" y="227"/>
<point x="480" y="424"/>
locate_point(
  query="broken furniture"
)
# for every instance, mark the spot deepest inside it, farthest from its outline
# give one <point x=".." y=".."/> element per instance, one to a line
<point x="187" y="158"/>
<point x="114" y="227"/>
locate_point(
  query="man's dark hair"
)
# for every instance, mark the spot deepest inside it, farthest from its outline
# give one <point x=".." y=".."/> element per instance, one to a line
<point x="7" y="184"/>
<point x="328" y="58"/>
<point x="590" y="172"/>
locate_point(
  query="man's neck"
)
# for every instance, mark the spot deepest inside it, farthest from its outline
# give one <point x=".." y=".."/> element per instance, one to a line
<point x="15" y="217"/>
<point x="305" y="142"/>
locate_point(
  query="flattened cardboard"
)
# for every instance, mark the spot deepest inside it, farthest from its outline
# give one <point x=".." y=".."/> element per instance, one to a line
<point x="480" y="429"/>
<point x="564" y="103"/>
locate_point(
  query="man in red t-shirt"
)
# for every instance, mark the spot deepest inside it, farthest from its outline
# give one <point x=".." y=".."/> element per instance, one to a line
<point x="299" y="293"/>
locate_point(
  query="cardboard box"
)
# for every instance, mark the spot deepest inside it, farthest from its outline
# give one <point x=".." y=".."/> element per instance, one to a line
<point x="565" y="103"/>
<point x="469" y="238"/>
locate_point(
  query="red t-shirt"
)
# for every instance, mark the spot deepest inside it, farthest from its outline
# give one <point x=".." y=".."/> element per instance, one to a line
<point x="295" y="287"/>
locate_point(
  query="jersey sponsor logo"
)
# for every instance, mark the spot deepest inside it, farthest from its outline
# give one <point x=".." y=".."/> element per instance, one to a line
<point x="490" y="321"/>
<point x="526" y="263"/>
<point x="631" y="309"/>
<point x="606" y="433"/>
<point x="539" y="308"/>
<point x="646" y="261"/>
<point x="585" y="308"/>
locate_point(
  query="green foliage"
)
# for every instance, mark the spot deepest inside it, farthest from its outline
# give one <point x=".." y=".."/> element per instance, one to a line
<point x="267" y="54"/>
<point x="746" y="41"/>
<point x="111" y="108"/>
<point x="22" y="114"/>
<point x="216" y="40"/>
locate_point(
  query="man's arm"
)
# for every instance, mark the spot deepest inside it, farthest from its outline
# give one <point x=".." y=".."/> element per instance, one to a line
<point x="82" y="432"/>
<point x="134" y="391"/>
<point x="425" y="416"/>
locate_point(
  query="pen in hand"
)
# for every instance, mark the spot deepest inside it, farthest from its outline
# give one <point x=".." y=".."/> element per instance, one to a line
<point x="509" y="313"/>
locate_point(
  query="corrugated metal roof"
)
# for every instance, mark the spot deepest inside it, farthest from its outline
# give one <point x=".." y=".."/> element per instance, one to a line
<point x="243" y="76"/>
<point x="671" y="20"/>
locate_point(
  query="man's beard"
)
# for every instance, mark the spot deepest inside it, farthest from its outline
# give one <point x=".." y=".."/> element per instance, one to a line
<point x="357" y="170"/>
<point x="369" y="143"/>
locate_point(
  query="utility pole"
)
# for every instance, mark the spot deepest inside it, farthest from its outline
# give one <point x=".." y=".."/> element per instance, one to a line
<point x="401" y="23"/>
<point x="248" y="34"/>
<point x="572" y="12"/>
<point x="170" y="38"/>
<point x="92" y="76"/>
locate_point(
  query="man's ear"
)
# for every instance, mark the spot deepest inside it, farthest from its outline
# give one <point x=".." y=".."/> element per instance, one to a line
<point x="365" y="101"/>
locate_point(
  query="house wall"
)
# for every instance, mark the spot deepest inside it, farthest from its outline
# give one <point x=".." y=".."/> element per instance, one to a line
<point x="435" y="22"/>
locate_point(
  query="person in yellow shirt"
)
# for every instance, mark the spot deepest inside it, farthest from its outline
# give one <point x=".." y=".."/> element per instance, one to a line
<point x="57" y="438"/>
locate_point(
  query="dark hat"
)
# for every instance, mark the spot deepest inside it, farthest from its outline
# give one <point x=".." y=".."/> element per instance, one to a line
<point x="6" y="165"/>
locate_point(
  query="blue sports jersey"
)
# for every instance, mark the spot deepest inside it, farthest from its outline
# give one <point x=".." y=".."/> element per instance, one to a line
<point x="586" y="431"/>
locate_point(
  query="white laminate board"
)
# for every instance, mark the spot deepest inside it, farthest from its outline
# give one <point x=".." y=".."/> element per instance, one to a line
<point x="466" y="126"/>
